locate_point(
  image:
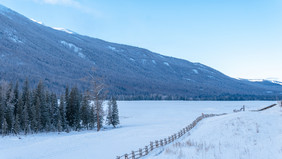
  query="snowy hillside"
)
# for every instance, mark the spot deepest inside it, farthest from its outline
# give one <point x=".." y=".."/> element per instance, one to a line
<point x="141" y="122"/>
<point x="60" y="57"/>
<point x="246" y="135"/>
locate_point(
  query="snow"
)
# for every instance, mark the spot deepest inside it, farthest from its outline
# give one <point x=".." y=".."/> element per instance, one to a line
<point x="74" y="48"/>
<point x="71" y="46"/>
<point x="132" y="59"/>
<point x="36" y="21"/>
<point x="161" y="56"/>
<point x="188" y="79"/>
<point x="244" y="135"/>
<point x="274" y="80"/>
<point x="81" y="55"/>
<point x="15" y="39"/>
<point x="195" y="71"/>
<point x="12" y="35"/>
<point x="165" y="63"/>
<point x="56" y="28"/>
<point x="64" y="30"/>
<point x="114" y="49"/>
<point x="141" y="122"/>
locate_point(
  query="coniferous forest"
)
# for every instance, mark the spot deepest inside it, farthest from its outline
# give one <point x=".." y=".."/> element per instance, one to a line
<point x="29" y="111"/>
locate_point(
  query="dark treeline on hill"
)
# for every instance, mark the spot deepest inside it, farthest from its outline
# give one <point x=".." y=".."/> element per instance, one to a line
<point x="221" y="97"/>
<point x="27" y="111"/>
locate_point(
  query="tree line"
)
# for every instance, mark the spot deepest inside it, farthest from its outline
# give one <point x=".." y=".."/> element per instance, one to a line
<point x="29" y="111"/>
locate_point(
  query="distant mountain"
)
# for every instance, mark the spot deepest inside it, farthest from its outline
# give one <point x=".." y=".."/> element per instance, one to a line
<point x="61" y="57"/>
<point x="270" y="81"/>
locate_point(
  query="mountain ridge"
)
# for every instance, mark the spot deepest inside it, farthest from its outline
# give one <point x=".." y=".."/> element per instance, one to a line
<point x="37" y="52"/>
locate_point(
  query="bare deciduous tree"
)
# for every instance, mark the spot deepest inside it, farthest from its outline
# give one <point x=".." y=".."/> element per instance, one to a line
<point x="98" y="94"/>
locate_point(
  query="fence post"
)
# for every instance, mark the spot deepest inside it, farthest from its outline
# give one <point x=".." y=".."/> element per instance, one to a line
<point x="161" y="142"/>
<point x="126" y="156"/>
<point x="133" y="155"/>
<point x="165" y="141"/>
<point x="146" y="150"/>
<point x="157" y="143"/>
<point x="140" y="153"/>
<point x="152" y="146"/>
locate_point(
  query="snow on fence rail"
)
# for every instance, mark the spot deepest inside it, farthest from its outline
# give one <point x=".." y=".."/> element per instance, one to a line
<point x="160" y="143"/>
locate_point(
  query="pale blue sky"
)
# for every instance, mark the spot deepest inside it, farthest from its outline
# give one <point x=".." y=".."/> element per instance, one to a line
<point x="241" y="38"/>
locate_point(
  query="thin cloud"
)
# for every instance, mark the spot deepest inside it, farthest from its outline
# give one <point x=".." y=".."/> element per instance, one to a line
<point x="74" y="4"/>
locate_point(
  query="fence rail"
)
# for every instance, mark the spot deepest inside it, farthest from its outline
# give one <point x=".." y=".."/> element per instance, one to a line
<point x="162" y="142"/>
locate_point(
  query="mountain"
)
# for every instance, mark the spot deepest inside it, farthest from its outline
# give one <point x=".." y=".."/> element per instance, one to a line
<point x="59" y="57"/>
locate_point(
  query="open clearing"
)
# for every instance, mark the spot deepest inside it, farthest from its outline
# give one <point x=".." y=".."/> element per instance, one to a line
<point x="145" y="121"/>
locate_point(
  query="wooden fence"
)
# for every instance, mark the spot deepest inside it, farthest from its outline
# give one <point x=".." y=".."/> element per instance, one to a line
<point x="160" y="143"/>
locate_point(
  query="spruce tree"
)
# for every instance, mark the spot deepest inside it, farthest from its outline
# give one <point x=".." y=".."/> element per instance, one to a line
<point x="56" y="122"/>
<point x="32" y="112"/>
<point x="9" y="108"/>
<point x="4" y="127"/>
<point x="40" y="107"/>
<point x="26" y="124"/>
<point x="68" y="108"/>
<point x="16" y="98"/>
<point x="92" y="118"/>
<point x="115" y="113"/>
<point x="72" y="111"/>
<point x="54" y="112"/>
<point x="63" y="113"/>
<point x="17" y="127"/>
<point x="19" y="113"/>
<point x="27" y="104"/>
<point x="47" y="112"/>
<point x="37" y="118"/>
<point x="85" y="111"/>
<point x="112" y="115"/>
<point x="109" y="119"/>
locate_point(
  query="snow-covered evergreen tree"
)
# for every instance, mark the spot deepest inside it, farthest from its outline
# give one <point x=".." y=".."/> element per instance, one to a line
<point x="115" y="113"/>
<point x="72" y="111"/>
<point x="26" y="124"/>
<point x="4" y="127"/>
<point x="17" y="128"/>
<point x="109" y="119"/>
<point x="92" y="118"/>
<point x="63" y="113"/>
<point x="85" y="111"/>
<point x="112" y="113"/>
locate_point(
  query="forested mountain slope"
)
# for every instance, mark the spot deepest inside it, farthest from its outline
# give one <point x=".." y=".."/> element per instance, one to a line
<point x="34" y="51"/>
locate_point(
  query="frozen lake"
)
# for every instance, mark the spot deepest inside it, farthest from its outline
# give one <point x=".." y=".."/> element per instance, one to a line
<point x="141" y="122"/>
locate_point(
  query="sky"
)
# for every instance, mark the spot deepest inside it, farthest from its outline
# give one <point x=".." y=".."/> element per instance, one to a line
<point x="240" y="38"/>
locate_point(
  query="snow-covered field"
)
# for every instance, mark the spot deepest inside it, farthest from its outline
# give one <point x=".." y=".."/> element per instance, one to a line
<point x="145" y="121"/>
<point x="244" y="135"/>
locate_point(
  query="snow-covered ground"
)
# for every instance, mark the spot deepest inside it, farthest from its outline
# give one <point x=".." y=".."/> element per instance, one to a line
<point x="145" y="121"/>
<point x="244" y="135"/>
